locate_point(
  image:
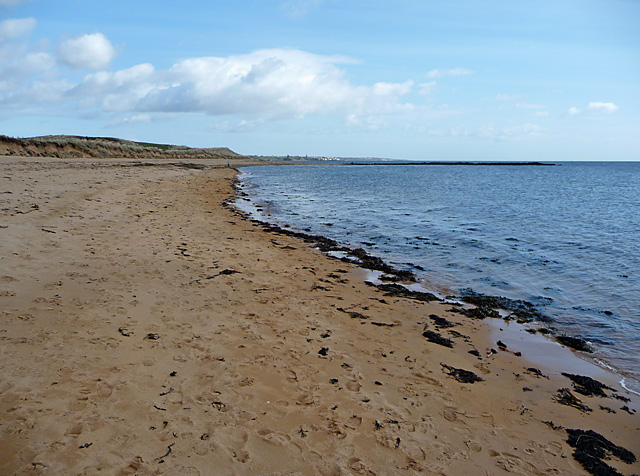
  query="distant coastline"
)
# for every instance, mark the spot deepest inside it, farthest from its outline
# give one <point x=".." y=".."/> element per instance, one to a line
<point x="455" y="163"/>
<point x="295" y="160"/>
<point x="72" y="146"/>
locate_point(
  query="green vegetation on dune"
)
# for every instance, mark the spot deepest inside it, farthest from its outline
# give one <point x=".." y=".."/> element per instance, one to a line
<point x="69" y="146"/>
<point x="157" y="146"/>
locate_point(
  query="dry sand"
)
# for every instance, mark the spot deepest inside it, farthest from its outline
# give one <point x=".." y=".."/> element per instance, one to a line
<point x="145" y="328"/>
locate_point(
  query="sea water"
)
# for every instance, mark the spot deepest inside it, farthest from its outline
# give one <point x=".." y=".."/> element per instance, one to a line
<point x="565" y="237"/>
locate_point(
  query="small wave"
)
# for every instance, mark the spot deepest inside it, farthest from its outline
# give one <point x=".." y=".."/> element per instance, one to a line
<point x="635" y="389"/>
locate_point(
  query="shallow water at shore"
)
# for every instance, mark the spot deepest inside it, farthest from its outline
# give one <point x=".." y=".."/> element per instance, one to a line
<point x="563" y="237"/>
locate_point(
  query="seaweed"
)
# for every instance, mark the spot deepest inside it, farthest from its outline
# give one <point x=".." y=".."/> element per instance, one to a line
<point x="480" y="312"/>
<point x="461" y="375"/>
<point x="398" y="290"/>
<point x="537" y="372"/>
<point x="592" y="448"/>
<point x="353" y="314"/>
<point x="566" y="397"/>
<point x="383" y="324"/>
<point x="374" y="263"/>
<point x="356" y="256"/>
<point x="224" y="272"/>
<point x="437" y="338"/>
<point x="587" y="385"/>
<point x="520" y="310"/>
<point x="441" y="322"/>
<point x="577" y="343"/>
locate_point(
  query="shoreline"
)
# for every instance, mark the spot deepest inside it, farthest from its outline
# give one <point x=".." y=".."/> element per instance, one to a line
<point x="152" y="330"/>
<point x="537" y="319"/>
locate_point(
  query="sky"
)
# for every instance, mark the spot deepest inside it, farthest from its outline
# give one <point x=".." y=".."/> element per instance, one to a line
<point x="405" y="79"/>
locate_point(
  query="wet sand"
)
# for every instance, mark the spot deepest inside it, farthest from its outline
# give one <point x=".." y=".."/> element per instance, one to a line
<point x="148" y="328"/>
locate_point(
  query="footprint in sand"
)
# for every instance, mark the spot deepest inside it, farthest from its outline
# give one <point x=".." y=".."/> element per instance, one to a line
<point x="4" y="386"/>
<point x="274" y="437"/>
<point x="413" y="450"/>
<point x="201" y="447"/>
<point x="104" y="390"/>
<point x="357" y="465"/>
<point x="508" y="462"/>
<point x="305" y="399"/>
<point x="10" y="398"/>
<point x="205" y="441"/>
<point x="237" y="444"/>
<point x="74" y="430"/>
<point x="483" y="368"/>
<point x="450" y="415"/>
<point x="353" y="385"/>
<point x="291" y="376"/>
<point x="136" y="466"/>
<point x="77" y="405"/>
<point x="473" y="446"/>
<point x="187" y="471"/>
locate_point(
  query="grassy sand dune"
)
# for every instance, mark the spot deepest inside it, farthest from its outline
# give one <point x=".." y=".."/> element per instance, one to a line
<point x="105" y="147"/>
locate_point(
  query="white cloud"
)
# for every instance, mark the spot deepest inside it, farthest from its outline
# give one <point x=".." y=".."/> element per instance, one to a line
<point x="38" y="93"/>
<point x="490" y="132"/>
<point x="524" y="130"/>
<point x="119" y="91"/>
<point x="299" y="8"/>
<point x="243" y="125"/>
<point x="439" y="73"/>
<point x="16" y="28"/>
<point x="88" y="51"/>
<point x="274" y="84"/>
<point x="132" y="119"/>
<point x="139" y="118"/>
<point x="33" y="63"/>
<point x="427" y="88"/>
<point x="524" y="105"/>
<point x="20" y="68"/>
<point x="370" y="123"/>
<point x="595" y="108"/>
<point x="602" y="107"/>
<point x="507" y="97"/>
<point x="249" y="89"/>
<point x="392" y="89"/>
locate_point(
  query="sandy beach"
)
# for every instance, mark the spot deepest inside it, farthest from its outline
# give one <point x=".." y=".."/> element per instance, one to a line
<point x="147" y="327"/>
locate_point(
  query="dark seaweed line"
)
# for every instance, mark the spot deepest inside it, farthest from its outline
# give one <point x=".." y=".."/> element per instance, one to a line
<point x="485" y="305"/>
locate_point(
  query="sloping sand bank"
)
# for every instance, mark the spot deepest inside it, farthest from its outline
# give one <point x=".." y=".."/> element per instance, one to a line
<point x="145" y="328"/>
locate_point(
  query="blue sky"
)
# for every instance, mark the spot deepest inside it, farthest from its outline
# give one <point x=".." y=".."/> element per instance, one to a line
<point x="410" y="79"/>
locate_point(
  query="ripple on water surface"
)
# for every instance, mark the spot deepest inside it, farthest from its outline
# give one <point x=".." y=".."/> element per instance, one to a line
<point x="564" y="237"/>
